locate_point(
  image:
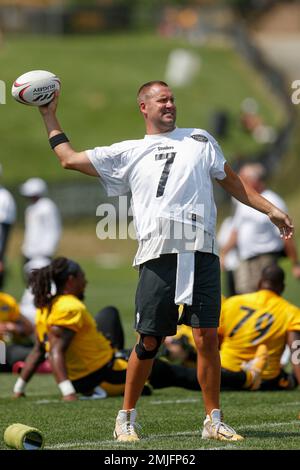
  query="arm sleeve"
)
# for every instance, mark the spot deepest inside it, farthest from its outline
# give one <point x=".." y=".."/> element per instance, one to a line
<point x="111" y="163"/>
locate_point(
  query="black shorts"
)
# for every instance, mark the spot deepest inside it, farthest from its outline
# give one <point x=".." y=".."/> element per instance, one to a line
<point x="111" y="373"/>
<point x="156" y="312"/>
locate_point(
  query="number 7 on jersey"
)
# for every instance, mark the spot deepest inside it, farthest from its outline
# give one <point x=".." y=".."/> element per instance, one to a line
<point x="169" y="157"/>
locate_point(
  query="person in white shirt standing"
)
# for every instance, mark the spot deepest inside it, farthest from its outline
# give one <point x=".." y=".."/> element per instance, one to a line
<point x="256" y="239"/>
<point x="42" y="221"/>
<point x="169" y="173"/>
<point x="230" y="261"/>
<point x="7" y="219"/>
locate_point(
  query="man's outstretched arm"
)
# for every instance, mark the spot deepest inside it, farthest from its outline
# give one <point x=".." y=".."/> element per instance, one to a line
<point x="68" y="157"/>
<point x="235" y="186"/>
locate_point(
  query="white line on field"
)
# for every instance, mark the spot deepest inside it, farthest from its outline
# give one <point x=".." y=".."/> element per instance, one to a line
<point x="171" y="402"/>
<point x="194" y="400"/>
<point x="187" y="433"/>
<point x="269" y="425"/>
<point x="31" y="394"/>
<point x="149" y="438"/>
<point x="46" y="402"/>
<point x="76" y="445"/>
<point x="292" y="403"/>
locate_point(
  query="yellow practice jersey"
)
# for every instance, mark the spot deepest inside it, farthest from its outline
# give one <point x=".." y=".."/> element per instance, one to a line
<point x="9" y="309"/>
<point x="249" y="320"/>
<point x="89" y="350"/>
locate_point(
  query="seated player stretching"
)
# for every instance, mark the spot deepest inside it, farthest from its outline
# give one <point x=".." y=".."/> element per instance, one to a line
<point x="82" y="358"/>
<point x="254" y="329"/>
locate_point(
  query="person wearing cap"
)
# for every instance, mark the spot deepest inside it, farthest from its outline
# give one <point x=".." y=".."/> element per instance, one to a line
<point x="7" y="219"/>
<point x="42" y="221"/>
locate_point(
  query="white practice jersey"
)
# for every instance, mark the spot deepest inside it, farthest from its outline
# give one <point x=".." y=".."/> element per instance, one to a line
<point x="7" y="207"/>
<point x="42" y="229"/>
<point x="256" y="234"/>
<point x="170" y="179"/>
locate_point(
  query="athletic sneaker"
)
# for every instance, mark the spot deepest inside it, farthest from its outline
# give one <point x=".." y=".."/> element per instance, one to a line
<point x="256" y="366"/>
<point x="125" y="429"/>
<point x="98" y="394"/>
<point x="214" y="428"/>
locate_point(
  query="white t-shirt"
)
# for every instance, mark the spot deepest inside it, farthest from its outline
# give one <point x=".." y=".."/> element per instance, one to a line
<point x="256" y="234"/>
<point x="170" y="178"/>
<point x="27" y="307"/>
<point x="7" y="207"/>
<point x="42" y="229"/>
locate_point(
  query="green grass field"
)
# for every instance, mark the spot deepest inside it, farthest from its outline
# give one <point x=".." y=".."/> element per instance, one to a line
<point x="170" y="418"/>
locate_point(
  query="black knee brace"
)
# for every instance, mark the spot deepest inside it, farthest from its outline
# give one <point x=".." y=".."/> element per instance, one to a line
<point x="142" y="353"/>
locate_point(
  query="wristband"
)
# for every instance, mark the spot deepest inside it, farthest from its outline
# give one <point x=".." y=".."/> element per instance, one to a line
<point x="58" y="139"/>
<point x="20" y="385"/>
<point x="66" y="387"/>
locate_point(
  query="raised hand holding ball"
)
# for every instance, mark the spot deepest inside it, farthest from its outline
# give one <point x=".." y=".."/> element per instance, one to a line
<point x="35" y="88"/>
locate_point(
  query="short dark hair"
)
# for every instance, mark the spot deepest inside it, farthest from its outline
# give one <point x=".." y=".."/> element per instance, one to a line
<point x="146" y="86"/>
<point x="272" y="277"/>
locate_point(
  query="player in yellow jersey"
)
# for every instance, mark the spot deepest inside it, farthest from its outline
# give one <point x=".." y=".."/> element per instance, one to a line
<point x="261" y="318"/>
<point x="254" y="329"/>
<point x="15" y="331"/>
<point x="82" y="358"/>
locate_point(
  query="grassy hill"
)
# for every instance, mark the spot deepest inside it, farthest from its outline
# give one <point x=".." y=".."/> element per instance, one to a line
<point x="100" y="76"/>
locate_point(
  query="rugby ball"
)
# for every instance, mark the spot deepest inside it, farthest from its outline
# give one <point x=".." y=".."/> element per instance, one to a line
<point x="35" y="88"/>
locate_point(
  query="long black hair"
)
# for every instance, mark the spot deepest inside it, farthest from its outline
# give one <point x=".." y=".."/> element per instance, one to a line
<point x="47" y="282"/>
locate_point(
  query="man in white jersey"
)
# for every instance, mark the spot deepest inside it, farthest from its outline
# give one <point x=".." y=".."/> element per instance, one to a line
<point x="7" y="219"/>
<point x="169" y="173"/>
<point x="42" y="221"/>
<point x="256" y="239"/>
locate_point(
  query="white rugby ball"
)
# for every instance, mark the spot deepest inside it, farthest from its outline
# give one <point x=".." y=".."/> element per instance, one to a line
<point x="35" y="88"/>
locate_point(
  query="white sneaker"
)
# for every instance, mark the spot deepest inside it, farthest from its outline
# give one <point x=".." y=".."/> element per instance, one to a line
<point x="98" y="394"/>
<point x="214" y="428"/>
<point x="125" y="429"/>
